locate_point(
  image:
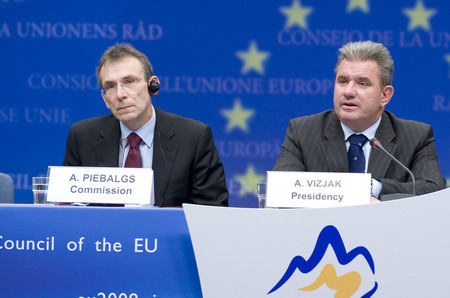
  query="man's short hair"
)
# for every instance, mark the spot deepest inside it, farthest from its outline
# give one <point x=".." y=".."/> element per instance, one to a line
<point x="369" y="50"/>
<point x="119" y="51"/>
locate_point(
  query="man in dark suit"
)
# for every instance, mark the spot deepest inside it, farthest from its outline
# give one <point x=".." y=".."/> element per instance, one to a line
<point x="181" y="151"/>
<point x="319" y="143"/>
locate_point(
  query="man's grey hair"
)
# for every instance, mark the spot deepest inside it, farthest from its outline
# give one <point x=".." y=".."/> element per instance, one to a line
<point x="122" y="50"/>
<point x="369" y="50"/>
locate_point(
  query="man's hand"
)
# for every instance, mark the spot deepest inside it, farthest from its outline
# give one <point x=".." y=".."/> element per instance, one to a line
<point x="374" y="200"/>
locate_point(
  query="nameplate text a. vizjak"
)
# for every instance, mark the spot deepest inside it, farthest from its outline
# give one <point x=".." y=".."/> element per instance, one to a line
<point x="317" y="189"/>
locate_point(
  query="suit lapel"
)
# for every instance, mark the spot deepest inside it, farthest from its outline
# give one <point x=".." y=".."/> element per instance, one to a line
<point x="164" y="153"/>
<point x="107" y="147"/>
<point x="379" y="161"/>
<point x="333" y="149"/>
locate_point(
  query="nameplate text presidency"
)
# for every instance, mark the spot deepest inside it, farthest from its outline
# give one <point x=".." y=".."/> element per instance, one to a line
<point x="317" y="190"/>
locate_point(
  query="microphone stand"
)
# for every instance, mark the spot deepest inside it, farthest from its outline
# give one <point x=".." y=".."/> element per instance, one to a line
<point x="123" y="145"/>
<point x="376" y="144"/>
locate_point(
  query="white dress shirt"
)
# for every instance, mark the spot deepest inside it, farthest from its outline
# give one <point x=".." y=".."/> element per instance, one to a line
<point x="369" y="133"/>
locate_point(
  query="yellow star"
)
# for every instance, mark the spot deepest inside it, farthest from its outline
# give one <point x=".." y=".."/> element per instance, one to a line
<point x="419" y="16"/>
<point x="358" y="4"/>
<point x="237" y="116"/>
<point x="447" y="58"/>
<point x="253" y="59"/>
<point x="248" y="181"/>
<point x="296" y="14"/>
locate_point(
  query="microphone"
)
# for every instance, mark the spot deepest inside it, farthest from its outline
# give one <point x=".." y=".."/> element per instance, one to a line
<point x="376" y="144"/>
<point x="123" y="145"/>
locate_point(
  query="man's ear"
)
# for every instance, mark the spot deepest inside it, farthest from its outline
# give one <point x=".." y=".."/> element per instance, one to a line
<point x="386" y="94"/>
<point x="153" y="85"/>
<point x="106" y="101"/>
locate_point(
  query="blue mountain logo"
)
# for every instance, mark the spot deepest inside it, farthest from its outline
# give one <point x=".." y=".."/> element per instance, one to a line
<point x="345" y="285"/>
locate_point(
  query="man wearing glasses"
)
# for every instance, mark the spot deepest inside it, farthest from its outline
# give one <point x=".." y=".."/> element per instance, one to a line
<point x="181" y="151"/>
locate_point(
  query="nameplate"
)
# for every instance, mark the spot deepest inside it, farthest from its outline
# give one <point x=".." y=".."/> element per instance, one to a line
<point x="100" y="185"/>
<point x="317" y="190"/>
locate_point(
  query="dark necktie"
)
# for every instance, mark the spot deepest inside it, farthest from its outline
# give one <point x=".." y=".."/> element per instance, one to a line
<point x="134" y="155"/>
<point x="356" y="159"/>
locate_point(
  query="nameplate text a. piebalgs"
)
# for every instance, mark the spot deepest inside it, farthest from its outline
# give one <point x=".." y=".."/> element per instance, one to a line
<point x="106" y="185"/>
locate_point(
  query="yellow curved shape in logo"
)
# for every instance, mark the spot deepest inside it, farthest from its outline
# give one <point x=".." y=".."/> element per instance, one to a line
<point x="345" y="285"/>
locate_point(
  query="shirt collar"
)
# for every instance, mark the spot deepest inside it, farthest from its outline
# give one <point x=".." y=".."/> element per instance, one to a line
<point x="369" y="132"/>
<point x="146" y="132"/>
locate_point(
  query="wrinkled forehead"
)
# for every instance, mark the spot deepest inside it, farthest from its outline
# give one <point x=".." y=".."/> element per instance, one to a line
<point x="120" y="69"/>
<point x="358" y="68"/>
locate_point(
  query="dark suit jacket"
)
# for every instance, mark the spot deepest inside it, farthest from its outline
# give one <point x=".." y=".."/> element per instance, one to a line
<point x="316" y="144"/>
<point x="186" y="165"/>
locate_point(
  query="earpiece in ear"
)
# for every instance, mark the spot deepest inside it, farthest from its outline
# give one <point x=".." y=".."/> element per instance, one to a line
<point x="153" y="88"/>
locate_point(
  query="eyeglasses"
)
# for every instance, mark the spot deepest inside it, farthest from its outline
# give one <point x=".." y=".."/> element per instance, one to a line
<point x="129" y="84"/>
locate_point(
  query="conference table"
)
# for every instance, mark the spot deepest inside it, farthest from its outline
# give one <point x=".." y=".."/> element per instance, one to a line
<point x="393" y="249"/>
<point x="80" y="251"/>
